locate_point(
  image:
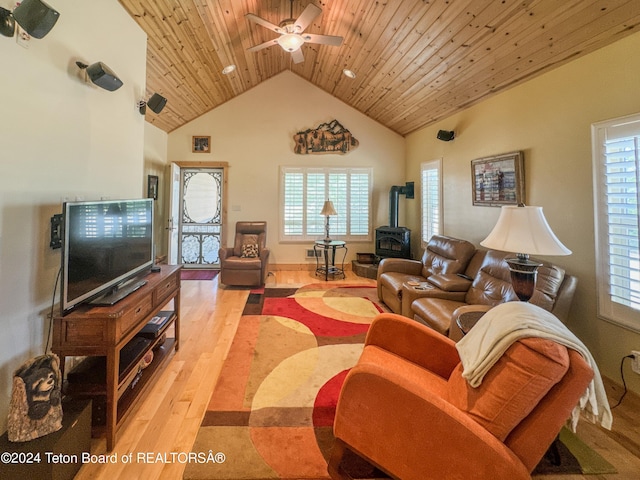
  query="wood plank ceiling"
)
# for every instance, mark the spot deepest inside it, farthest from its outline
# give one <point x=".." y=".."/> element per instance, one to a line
<point x="416" y="61"/>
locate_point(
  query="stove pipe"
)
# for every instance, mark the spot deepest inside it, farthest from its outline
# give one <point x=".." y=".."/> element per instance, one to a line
<point x="394" y="196"/>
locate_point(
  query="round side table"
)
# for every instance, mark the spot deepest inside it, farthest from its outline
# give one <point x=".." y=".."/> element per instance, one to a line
<point x="467" y="320"/>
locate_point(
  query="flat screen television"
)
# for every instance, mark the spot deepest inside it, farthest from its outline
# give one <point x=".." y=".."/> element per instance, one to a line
<point x="107" y="248"/>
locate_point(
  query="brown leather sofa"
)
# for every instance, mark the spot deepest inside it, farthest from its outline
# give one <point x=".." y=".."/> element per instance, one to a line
<point x="491" y="285"/>
<point x="245" y="264"/>
<point x="443" y="255"/>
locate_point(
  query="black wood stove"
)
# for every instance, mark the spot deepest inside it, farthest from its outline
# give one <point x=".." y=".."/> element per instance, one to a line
<point x="392" y="240"/>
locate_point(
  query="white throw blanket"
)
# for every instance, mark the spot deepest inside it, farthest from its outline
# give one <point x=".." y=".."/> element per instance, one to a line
<point x="506" y="323"/>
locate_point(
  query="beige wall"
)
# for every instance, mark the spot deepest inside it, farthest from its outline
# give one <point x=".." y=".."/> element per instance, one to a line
<point x="60" y="138"/>
<point x="549" y="118"/>
<point x="155" y="163"/>
<point x="254" y="134"/>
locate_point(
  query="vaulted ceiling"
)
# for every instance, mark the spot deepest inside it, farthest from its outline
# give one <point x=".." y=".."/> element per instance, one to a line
<point x="416" y="61"/>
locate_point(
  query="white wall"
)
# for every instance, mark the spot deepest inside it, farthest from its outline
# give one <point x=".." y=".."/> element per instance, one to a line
<point x="254" y="134"/>
<point x="60" y="138"/>
<point x="549" y="118"/>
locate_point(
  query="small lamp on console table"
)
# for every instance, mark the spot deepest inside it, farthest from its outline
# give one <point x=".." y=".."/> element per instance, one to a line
<point x="524" y="230"/>
<point x="328" y="210"/>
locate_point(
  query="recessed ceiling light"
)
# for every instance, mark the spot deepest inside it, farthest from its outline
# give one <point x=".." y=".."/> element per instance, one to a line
<point x="349" y="73"/>
<point x="228" y="69"/>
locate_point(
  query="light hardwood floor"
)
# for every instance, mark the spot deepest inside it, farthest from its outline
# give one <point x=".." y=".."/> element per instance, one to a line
<point x="167" y="421"/>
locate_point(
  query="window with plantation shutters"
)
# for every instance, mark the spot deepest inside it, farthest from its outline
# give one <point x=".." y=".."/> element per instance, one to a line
<point x="431" y="201"/>
<point x="293" y="201"/>
<point x="93" y="221"/>
<point x="616" y="158"/>
<point x="303" y="193"/>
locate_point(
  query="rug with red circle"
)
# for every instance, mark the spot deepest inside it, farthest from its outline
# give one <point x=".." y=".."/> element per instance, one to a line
<point x="271" y="412"/>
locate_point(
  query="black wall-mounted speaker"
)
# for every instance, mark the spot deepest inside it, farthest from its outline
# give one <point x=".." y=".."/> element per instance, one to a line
<point x="7" y="23"/>
<point x="36" y="17"/>
<point x="446" y="135"/>
<point x="103" y="76"/>
<point x="156" y="103"/>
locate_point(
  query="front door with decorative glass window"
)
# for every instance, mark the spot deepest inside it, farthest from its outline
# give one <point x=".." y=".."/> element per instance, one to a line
<point x="200" y="225"/>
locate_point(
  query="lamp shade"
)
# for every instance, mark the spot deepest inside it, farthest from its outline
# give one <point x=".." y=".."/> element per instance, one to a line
<point x="328" y="209"/>
<point x="524" y="230"/>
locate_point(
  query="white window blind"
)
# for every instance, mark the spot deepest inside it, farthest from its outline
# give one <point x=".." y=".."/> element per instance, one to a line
<point x="293" y="202"/>
<point x="360" y="215"/>
<point x="304" y="191"/>
<point x="616" y="154"/>
<point x="128" y="219"/>
<point x="431" y="200"/>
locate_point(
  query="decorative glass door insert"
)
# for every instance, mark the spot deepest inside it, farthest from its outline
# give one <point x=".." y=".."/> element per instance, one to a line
<point x="201" y="217"/>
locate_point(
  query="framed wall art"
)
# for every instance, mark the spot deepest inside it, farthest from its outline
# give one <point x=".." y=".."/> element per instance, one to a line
<point x="152" y="186"/>
<point x="200" y="144"/>
<point x="498" y="180"/>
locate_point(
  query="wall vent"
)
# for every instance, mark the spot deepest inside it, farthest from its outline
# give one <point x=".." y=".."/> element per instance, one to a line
<point x="311" y="253"/>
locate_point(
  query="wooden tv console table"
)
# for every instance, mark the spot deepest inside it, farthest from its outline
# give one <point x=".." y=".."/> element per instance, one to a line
<point x="103" y="331"/>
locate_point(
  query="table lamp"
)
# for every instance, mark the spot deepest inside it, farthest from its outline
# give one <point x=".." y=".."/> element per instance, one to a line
<point x="327" y="211"/>
<point x="524" y="230"/>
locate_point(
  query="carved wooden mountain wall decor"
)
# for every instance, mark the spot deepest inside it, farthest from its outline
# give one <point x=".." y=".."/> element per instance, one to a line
<point x="329" y="137"/>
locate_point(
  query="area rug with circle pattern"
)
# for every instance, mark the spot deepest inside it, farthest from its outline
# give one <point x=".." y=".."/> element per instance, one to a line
<point x="271" y="412"/>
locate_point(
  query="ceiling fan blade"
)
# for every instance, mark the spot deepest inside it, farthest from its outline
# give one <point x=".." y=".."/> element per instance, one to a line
<point x="307" y="16"/>
<point x="297" y="56"/>
<point x="255" y="48"/>
<point x="323" y="39"/>
<point x="261" y="21"/>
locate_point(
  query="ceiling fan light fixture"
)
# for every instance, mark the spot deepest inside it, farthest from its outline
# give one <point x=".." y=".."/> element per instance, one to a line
<point x="290" y="41"/>
<point x="292" y="34"/>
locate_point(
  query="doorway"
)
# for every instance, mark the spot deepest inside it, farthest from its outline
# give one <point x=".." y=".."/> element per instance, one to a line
<point x="196" y="222"/>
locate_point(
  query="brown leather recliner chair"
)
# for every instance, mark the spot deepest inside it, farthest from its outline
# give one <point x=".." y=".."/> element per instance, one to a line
<point x="406" y="408"/>
<point x="245" y="264"/>
<point x="443" y="255"/>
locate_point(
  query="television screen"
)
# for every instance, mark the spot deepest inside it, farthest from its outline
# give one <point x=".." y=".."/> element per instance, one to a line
<point x="105" y="244"/>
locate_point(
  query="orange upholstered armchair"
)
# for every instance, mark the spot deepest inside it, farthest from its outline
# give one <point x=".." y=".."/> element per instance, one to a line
<point x="406" y="409"/>
<point x="245" y="264"/>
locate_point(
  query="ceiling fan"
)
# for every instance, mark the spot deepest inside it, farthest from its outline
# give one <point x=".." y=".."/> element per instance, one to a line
<point x="292" y="35"/>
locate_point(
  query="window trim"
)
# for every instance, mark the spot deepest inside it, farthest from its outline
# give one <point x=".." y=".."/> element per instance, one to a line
<point x="305" y="238"/>
<point x="424" y="166"/>
<point x="607" y="309"/>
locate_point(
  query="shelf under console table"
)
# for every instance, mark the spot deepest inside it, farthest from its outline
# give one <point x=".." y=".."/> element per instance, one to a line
<point x="113" y="333"/>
